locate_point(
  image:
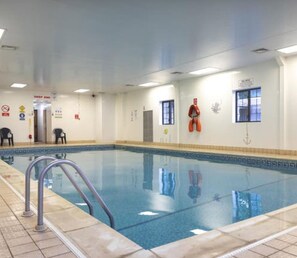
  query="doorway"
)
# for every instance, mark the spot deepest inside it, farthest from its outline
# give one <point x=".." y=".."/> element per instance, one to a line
<point x="42" y="122"/>
<point x="148" y="126"/>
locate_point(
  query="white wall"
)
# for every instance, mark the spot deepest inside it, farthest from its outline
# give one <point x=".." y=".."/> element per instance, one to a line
<point x="217" y="128"/>
<point x="105" y="117"/>
<point x="20" y="128"/>
<point x="129" y="110"/>
<point x="82" y="129"/>
<point x="109" y="117"/>
<point x="291" y="103"/>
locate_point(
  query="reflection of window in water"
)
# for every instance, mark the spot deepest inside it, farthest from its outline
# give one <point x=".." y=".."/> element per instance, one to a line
<point x="195" y="181"/>
<point x="8" y="159"/>
<point x="166" y="182"/>
<point x="246" y="205"/>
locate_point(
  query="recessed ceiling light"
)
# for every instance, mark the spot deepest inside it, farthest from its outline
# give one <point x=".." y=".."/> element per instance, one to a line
<point x="148" y="84"/>
<point x="18" y="85"/>
<point x="207" y="70"/>
<point x="2" y="32"/>
<point x="288" y="50"/>
<point x="81" y="90"/>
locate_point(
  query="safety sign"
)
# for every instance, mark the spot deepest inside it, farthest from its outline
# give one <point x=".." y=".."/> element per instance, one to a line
<point x="5" y="110"/>
<point x="22" y="115"/>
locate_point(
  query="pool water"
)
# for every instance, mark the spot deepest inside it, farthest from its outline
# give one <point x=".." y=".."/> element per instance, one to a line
<point x="158" y="199"/>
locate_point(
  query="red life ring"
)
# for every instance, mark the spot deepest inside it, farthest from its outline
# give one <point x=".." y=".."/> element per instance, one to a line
<point x="191" y="112"/>
<point x="194" y="113"/>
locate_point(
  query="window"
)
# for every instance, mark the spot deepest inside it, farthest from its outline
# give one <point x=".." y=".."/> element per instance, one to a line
<point x="248" y="105"/>
<point x="168" y="112"/>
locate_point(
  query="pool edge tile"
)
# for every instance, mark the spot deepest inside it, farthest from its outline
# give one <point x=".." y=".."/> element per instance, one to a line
<point x="102" y="241"/>
<point x="211" y="244"/>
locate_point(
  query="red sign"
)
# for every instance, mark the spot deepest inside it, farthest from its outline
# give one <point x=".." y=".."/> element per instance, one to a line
<point x="5" y="108"/>
<point x="41" y="97"/>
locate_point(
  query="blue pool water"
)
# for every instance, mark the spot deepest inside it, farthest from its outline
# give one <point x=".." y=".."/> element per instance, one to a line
<point x="157" y="198"/>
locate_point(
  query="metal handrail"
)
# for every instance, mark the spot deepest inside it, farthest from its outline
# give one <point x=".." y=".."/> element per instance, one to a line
<point x="28" y="212"/>
<point x="40" y="226"/>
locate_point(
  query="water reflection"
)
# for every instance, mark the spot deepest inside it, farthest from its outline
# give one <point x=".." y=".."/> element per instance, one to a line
<point x="61" y="155"/>
<point x="166" y="182"/>
<point x="148" y="171"/>
<point x="246" y="205"/>
<point x="38" y="167"/>
<point x="195" y="180"/>
<point x="9" y="159"/>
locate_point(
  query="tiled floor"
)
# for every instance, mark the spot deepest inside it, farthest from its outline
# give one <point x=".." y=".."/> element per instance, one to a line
<point x="94" y="239"/>
<point x="280" y="247"/>
<point x="17" y="237"/>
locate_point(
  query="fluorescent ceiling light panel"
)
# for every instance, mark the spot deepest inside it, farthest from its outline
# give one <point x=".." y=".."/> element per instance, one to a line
<point x="18" y="85"/>
<point x="288" y="50"/>
<point x="1" y="32"/>
<point x="205" y="71"/>
<point x="81" y="90"/>
<point x="148" y="84"/>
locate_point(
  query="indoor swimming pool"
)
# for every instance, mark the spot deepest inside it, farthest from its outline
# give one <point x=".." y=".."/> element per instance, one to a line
<point x="158" y="197"/>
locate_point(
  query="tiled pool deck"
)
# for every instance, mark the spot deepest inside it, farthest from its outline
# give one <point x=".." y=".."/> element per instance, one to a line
<point x="73" y="233"/>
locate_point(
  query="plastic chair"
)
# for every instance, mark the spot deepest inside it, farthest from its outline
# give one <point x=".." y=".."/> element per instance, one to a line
<point x="6" y="134"/>
<point x="59" y="134"/>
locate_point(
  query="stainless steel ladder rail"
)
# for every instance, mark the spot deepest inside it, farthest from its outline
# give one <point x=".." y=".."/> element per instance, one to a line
<point x="40" y="225"/>
<point x="28" y="212"/>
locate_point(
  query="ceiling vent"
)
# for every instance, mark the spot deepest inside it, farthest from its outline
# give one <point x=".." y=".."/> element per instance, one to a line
<point x="178" y="73"/>
<point x="260" y="50"/>
<point x="8" y="47"/>
<point x="129" y="85"/>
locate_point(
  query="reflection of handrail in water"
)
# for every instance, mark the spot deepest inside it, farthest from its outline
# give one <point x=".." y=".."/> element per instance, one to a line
<point x="40" y="226"/>
<point x="28" y="212"/>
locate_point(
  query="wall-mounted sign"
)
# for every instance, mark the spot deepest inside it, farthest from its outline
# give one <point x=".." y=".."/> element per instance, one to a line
<point x="76" y="116"/>
<point x="42" y="97"/>
<point x="246" y="83"/>
<point x="58" y="113"/>
<point x="22" y="115"/>
<point x="5" y="110"/>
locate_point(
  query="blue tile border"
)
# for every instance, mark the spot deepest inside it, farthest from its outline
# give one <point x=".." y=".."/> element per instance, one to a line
<point x="260" y="162"/>
<point x="54" y="149"/>
<point x="289" y="166"/>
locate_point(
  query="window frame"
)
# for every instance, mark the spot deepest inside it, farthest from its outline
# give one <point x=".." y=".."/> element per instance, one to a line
<point x="169" y="112"/>
<point x="248" y="106"/>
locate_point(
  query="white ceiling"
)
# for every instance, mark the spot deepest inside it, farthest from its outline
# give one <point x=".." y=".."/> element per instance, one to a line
<point x="103" y="45"/>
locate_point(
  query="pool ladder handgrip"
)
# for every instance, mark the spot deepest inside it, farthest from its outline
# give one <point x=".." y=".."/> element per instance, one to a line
<point x="28" y="212"/>
<point x="57" y="162"/>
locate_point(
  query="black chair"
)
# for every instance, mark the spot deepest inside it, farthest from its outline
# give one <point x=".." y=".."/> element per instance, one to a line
<point x="6" y="134"/>
<point x="59" y="134"/>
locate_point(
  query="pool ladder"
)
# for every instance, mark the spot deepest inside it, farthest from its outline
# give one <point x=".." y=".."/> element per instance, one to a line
<point x="59" y="163"/>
